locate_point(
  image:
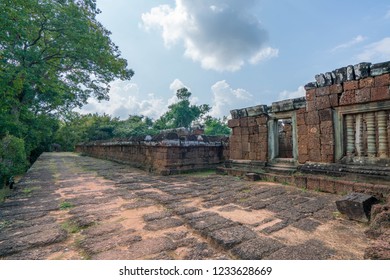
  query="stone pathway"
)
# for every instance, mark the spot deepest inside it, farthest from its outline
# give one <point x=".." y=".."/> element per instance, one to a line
<point x="73" y="207"/>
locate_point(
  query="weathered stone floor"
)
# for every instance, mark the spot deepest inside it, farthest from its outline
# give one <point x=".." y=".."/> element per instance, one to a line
<point x="73" y="207"/>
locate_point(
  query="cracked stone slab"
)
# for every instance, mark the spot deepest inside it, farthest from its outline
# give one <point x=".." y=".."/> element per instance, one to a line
<point x="256" y="249"/>
<point x="310" y="250"/>
<point x="228" y="237"/>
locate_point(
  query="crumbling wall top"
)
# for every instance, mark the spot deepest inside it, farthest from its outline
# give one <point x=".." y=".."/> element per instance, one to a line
<point x="349" y="73"/>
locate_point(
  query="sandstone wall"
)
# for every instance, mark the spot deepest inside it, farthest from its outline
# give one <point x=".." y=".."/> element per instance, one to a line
<point x="354" y="87"/>
<point x="162" y="158"/>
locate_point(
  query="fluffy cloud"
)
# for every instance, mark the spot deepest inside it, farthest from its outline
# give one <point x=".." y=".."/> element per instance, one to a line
<point x="220" y="34"/>
<point x="225" y="98"/>
<point x="125" y="100"/>
<point x="292" y="94"/>
<point x="376" y="52"/>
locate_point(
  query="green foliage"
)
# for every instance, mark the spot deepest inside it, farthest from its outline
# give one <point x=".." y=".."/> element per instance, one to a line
<point x="135" y="126"/>
<point x="65" y="205"/>
<point x="12" y="157"/>
<point x="215" y="126"/>
<point x="182" y="113"/>
<point x="54" y="55"/>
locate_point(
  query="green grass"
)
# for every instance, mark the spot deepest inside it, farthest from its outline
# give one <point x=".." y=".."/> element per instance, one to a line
<point x="4" y="193"/>
<point x="4" y="224"/>
<point x="28" y="191"/>
<point x="65" y="205"/>
<point x="70" y="227"/>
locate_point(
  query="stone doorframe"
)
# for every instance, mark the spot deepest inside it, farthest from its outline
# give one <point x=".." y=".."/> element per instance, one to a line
<point x="273" y="135"/>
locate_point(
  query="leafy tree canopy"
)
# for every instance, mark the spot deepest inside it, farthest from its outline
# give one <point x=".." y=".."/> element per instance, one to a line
<point x="182" y="113"/>
<point x="54" y="55"/>
<point x="216" y="126"/>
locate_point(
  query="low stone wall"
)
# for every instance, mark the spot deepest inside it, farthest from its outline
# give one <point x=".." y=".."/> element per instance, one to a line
<point x="164" y="157"/>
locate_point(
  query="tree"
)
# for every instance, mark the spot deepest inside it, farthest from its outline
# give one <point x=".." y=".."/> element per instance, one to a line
<point x="182" y="113"/>
<point x="216" y="126"/>
<point x="54" y="55"/>
<point x="12" y="158"/>
<point x="135" y="126"/>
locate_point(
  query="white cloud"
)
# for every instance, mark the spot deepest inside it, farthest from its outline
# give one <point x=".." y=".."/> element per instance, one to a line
<point x="125" y="100"/>
<point x="264" y="54"/>
<point x="376" y="52"/>
<point x="300" y="92"/>
<point x="225" y="98"/>
<point x="177" y="84"/>
<point x="220" y="34"/>
<point x="358" y="39"/>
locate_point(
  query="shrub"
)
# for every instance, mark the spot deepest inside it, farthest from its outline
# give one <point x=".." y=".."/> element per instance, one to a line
<point x="13" y="159"/>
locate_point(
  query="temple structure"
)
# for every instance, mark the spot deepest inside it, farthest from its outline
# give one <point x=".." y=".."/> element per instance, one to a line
<point x="341" y="126"/>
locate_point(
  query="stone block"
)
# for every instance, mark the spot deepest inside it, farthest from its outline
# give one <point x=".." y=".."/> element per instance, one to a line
<point x="348" y="98"/>
<point x="350" y="73"/>
<point x="252" y="177"/>
<point x="310" y="94"/>
<point x="244" y="122"/>
<point x="312" y="118"/>
<point x="325" y="114"/>
<point x="322" y="91"/>
<point x="322" y="102"/>
<point x="363" y="95"/>
<point x="301" y="119"/>
<point x="313" y="183"/>
<point x="340" y="75"/>
<point x="303" y="158"/>
<point x="320" y="79"/>
<point x="311" y="106"/>
<point x="252" y="121"/>
<point x="382" y="80"/>
<point x="282" y="106"/>
<point x="262" y="120"/>
<point x="300" y="181"/>
<point x="380" y="93"/>
<point x="315" y="155"/>
<point x="256" y="110"/>
<point x="336" y="89"/>
<point x="233" y="123"/>
<point x="327" y="185"/>
<point x="380" y="68"/>
<point x="328" y="78"/>
<point x="313" y="131"/>
<point x="362" y="70"/>
<point x="351" y="85"/>
<point x="302" y="148"/>
<point x="237" y="131"/>
<point x="334" y="100"/>
<point x="311" y="85"/>
<point x="367" y="82"/>
<point x="302" y="130"/>
<point x="357" y="206"/>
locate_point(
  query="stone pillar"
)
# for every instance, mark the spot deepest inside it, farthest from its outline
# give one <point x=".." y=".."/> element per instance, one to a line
<point x="359" y="135"/>
<point x="382" y="135"/>
<point x="350" y="135"/>
<point x="371" y="147"/>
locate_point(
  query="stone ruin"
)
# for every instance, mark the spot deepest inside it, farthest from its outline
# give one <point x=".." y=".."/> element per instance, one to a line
<point x="340" y="128"/>
<point x="170" y="152"/>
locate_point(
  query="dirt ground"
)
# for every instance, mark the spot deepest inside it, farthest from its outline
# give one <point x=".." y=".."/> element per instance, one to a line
<point x="73" y="207"/>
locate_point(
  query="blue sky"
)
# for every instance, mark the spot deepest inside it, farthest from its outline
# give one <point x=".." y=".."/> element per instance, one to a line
<point x="234" y="54"/>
